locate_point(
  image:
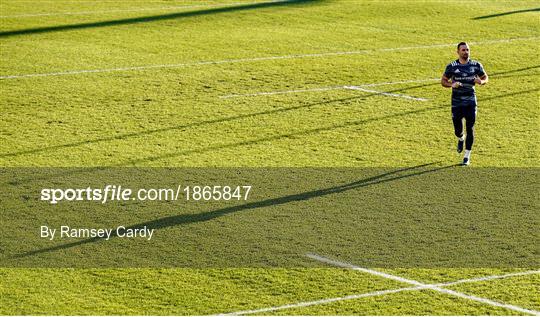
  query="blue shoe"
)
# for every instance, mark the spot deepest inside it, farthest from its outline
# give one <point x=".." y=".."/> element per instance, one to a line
<point x="460" y="146"/>
<point x="466" y="161"/>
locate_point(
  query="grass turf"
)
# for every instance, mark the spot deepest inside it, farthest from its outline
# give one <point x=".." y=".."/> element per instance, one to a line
<point x="174" y="116"/>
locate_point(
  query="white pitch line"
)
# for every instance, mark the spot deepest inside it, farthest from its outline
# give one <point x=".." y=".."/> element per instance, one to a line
<point x="489" y="278"/>
<point x="208" y="5"/>
<point x="385" y="93"/>
<point x="254" y="59"/>
<point x="321" y="301"/>
<point x="377" y="293"/>
<point x="437" y="288"/>
<point x="294" y="91"/>
<point x="281" y="92"/>
<point x="401" y="82"/>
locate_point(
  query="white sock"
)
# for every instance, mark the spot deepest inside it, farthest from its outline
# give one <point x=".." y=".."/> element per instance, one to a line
<point x="462" y="138"/>
<point x="467" y="154"/>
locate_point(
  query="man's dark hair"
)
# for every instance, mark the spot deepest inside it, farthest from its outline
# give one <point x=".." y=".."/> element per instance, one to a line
<point x="461" y="43"/>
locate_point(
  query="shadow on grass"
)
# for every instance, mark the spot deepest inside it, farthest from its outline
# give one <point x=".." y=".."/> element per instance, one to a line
<point x="514" y="71"/>
<point x="154" y="18"/>
<point x="354" y="123"/>
<point x="90" y="170"/>
<point x="228" y="119"/>
<point x="189" y="125"/>
<point x="505" y="13"/>
<point x="179" y="220"/>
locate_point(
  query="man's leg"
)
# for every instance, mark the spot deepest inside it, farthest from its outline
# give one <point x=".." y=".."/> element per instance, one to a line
<point x="457" y="119"/>
<point x="470" y="120"/>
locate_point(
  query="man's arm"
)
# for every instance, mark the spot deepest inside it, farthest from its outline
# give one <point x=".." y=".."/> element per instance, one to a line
<point x="445" y="82"/>
<point x="481" y="80"/>
<point x="482" y="77"/>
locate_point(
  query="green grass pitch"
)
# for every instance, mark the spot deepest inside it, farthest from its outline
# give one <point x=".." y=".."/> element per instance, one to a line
<point x="181" y="83"/>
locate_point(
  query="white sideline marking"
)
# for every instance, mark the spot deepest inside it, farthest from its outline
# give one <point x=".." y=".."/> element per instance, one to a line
<point x="208" y="5"/>
<point x="384" y="93"/>
<point x="378" y="293"/>
<point x="433" y="287"/>
<point x="359" y="87"/>
<point x="254" y="59"/>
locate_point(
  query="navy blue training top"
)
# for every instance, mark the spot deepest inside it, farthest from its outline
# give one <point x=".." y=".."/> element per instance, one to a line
<point x="464" y="73"/>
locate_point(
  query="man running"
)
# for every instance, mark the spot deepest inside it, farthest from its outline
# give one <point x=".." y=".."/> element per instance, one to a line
<point x="462" y="75"/>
